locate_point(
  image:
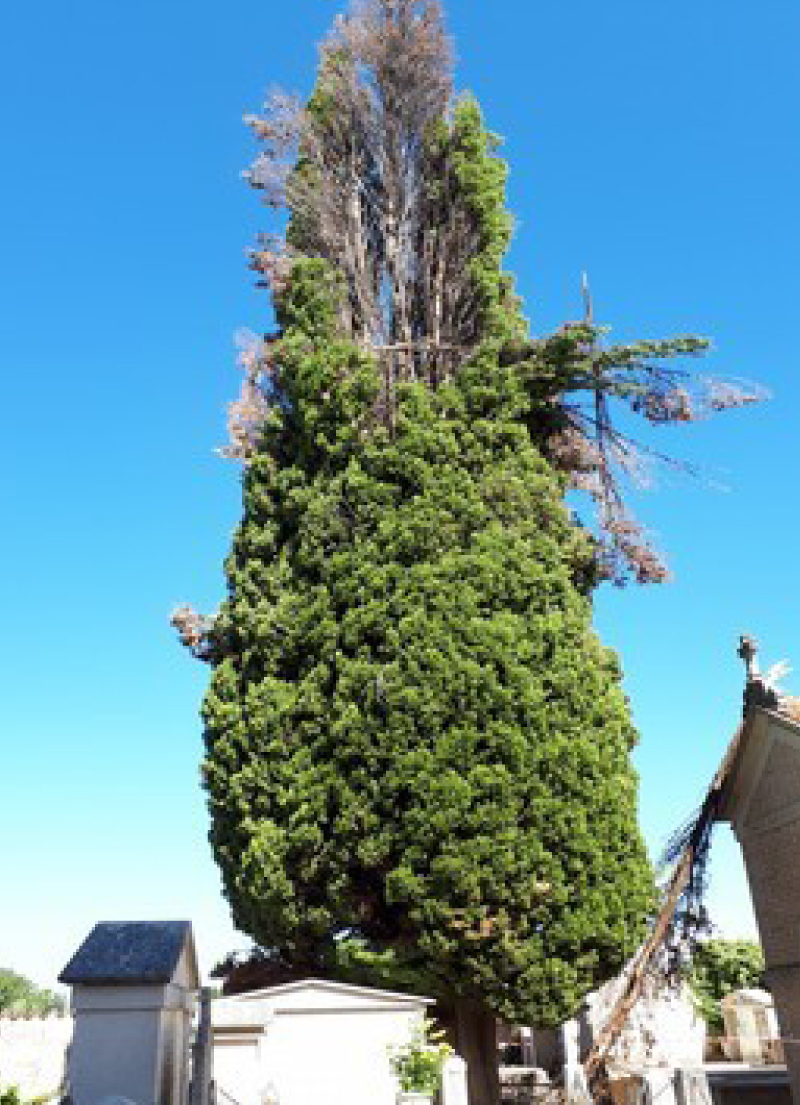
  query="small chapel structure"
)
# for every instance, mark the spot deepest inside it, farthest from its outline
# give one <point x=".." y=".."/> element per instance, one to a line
<point x="760" y="799"/>
<point x="133" y="997"/>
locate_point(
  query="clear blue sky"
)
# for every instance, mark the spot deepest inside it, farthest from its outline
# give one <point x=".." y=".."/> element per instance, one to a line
<point x="654" y="145"/>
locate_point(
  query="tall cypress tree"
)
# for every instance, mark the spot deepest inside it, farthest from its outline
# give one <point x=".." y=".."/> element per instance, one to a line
<point x="414" y="738"/>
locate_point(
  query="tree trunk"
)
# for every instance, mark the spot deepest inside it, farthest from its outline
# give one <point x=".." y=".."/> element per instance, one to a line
<point x="475" y="1040"/>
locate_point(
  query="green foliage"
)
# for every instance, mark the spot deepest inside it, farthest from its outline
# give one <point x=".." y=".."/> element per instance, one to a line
<point x="418" y="1063"/>
<point x="719" y="967"/>
<point x="413" y="733"/>
<point x="21" y="996"/>
<point x="481" y="177"/>
<point x="417" y="751"/>
<point x="10" y="1095"/>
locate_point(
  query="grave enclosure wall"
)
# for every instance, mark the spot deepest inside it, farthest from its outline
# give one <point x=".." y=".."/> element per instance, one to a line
<point x="33" y="1053"/>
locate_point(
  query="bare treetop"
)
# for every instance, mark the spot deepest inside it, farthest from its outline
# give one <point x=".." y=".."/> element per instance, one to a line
<point x="373" y="174"/>
<point x="352" y="167"/>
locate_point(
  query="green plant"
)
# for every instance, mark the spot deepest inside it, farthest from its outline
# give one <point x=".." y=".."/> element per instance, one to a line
<point x="413" y="736"/>
<point x="719" y="967"/>
<point x="21" y="996"/>
<point x="418" y="1063"/>
<point x="10" y="1096"/>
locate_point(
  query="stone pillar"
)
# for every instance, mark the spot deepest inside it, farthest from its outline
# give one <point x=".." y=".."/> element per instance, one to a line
<point x="691" y="1087"/>
<point x="784" y="984"/>
<point x="133" y="986"/>
<point x="527" y="1047"/>
<point x="454" y="1081"/>
<point x="774" y="876"/>
<point x="200" y="1089"/>
<point x="569" y="1042"/>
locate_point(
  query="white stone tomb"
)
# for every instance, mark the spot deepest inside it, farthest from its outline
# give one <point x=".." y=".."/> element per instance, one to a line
<point x="308" y="1042"/>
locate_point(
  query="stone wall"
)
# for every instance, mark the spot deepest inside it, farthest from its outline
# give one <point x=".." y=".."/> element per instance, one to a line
<point x="33" y="1053"/>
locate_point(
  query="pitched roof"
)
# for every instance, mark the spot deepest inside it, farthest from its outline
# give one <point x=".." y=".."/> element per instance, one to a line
<point x="128" y="952"/>
<point x="324" y="985"/>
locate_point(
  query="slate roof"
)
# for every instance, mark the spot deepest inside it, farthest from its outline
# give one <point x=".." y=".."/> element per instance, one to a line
<point x="128" y="952"/>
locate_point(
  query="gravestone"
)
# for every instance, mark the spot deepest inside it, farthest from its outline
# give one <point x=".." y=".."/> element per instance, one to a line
<point x="750" y="1026"/>
<point x="454" y="1081"/>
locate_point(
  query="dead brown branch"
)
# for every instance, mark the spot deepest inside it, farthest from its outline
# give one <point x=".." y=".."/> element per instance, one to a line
<point x="356" y="171"/>
<point x="663" y="943"/>
<point x="370" y="170"/>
